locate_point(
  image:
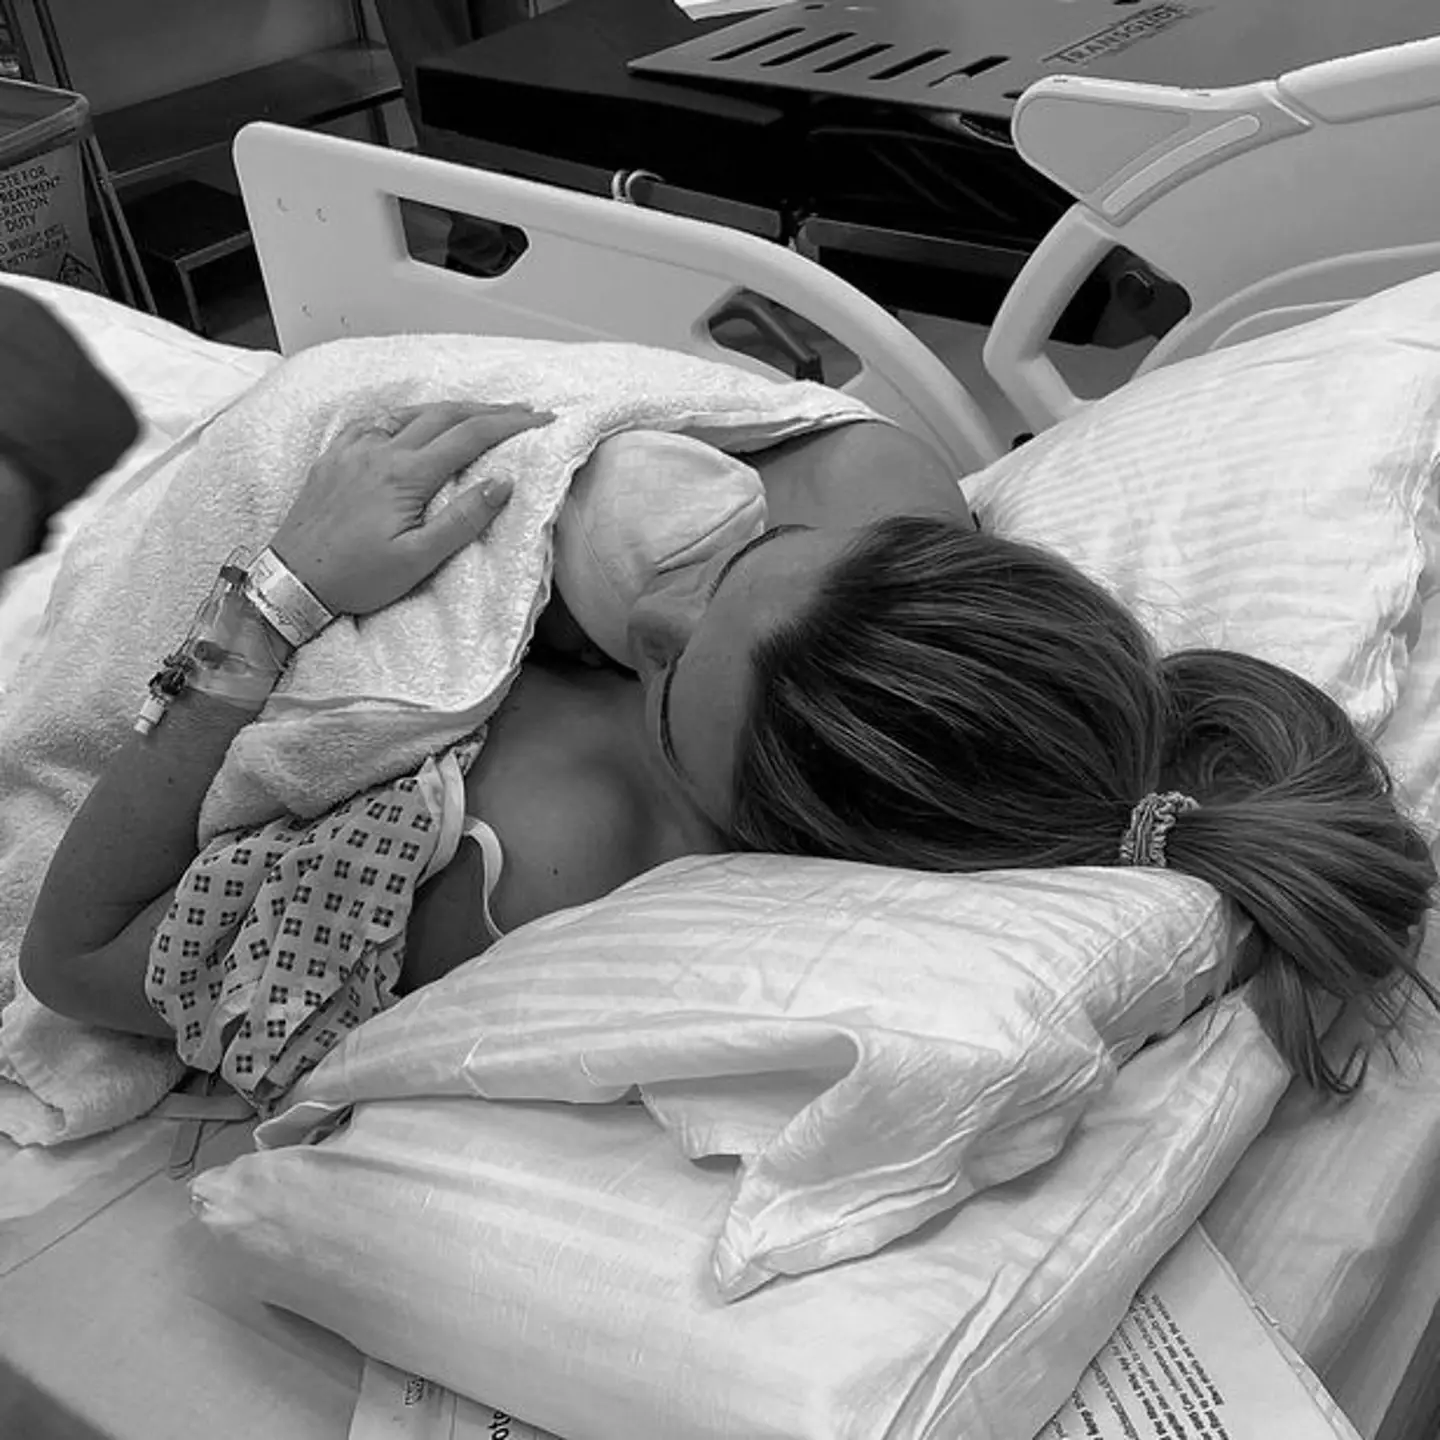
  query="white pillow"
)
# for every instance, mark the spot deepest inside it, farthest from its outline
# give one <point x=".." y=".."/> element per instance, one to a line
<point x="552" y="1260"/>
<point x="1274" y="498"/>
<point x="877" y="1045"/>
<point x="645" y="503"/>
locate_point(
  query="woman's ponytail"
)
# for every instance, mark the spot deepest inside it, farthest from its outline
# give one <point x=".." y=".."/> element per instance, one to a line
<point x="1297" y="825"/>
<point x="954" y="701"/>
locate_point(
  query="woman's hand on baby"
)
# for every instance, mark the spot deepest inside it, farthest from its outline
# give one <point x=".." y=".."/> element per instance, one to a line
<point x="357" y="533"/>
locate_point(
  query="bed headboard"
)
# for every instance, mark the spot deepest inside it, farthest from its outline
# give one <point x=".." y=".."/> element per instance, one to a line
<point x="327" y="225"/>
<point x="1271" y="203"/>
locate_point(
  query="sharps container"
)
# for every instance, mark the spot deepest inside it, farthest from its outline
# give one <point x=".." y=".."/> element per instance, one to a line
<point x="44" y="225"/>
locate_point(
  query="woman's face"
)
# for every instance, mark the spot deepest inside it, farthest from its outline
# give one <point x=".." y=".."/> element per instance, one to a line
<point x="692" y="638"/>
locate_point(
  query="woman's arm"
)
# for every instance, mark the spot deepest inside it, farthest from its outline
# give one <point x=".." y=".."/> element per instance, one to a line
<point x="357" y="536"/>
<point x="110" y="882"/>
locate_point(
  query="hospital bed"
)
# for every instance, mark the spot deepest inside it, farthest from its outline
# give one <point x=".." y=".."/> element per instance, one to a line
<point x="116" y="1319"/>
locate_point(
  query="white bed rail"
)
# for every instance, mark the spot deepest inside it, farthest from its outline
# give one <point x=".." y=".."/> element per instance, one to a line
<point x="327" y="225"/>
<point x="1270" y="203"/>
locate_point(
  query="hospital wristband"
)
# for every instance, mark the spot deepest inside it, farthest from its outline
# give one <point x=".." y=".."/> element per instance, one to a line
<point x="231" y="653"/>
<point x="284" y="599"/>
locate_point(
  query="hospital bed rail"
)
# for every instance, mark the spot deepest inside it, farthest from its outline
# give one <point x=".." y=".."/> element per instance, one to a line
<point x="1270" y="204"/>
<point x="326" y="217"/>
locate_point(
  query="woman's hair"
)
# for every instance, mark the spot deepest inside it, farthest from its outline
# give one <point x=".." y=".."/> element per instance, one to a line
<point x="953" y="701"/>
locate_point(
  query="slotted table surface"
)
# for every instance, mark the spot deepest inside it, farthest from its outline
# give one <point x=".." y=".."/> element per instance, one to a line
<point x="977" y="56"/>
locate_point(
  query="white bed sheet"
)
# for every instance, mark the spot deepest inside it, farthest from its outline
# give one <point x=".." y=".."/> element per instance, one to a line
<point x="1330" y="1221"/>
<point x="127" y="1327"/>
<point x="116" y="1321"/>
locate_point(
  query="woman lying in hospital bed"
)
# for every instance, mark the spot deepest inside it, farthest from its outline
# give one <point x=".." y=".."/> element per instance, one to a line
<point x="870" y="679"/>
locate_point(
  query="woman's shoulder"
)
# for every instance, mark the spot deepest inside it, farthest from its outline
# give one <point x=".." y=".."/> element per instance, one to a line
<point x="854" y="475"/>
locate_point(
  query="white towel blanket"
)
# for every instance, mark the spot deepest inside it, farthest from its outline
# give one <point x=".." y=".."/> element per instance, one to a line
<point x="368" y="699"/>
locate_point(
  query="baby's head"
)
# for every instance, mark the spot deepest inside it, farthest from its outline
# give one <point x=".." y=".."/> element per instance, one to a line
<point x="647" y="503"/>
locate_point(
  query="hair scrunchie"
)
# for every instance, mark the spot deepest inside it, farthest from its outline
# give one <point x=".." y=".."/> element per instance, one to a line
<point x="1151" y="822"/>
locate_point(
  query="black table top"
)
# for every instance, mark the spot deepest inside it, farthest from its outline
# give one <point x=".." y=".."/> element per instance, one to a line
<point x="556" y="98"/>
<point x="976" y="56"/>
<point x="559" y="85"/>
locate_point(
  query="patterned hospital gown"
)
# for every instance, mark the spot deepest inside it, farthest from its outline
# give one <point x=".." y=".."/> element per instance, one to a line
<point x="283" y="938"/>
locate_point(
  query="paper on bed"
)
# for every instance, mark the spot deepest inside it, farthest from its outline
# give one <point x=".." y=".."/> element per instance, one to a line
<point x="368" y="699"/>
<point x="395" y="1406"/>
<point x="1195" y="1357"/>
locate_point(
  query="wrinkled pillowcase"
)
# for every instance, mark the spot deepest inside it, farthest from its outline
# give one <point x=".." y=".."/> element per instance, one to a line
<point x="561" y="1269"/>
<point x="1277" y="497"/>
<point x="875" y="1044"/>
<point x="646" y="503"/>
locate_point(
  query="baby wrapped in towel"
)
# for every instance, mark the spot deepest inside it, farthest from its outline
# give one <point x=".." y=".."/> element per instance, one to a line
<point x="372" y="699"/>
<point x="283" y="938"/>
